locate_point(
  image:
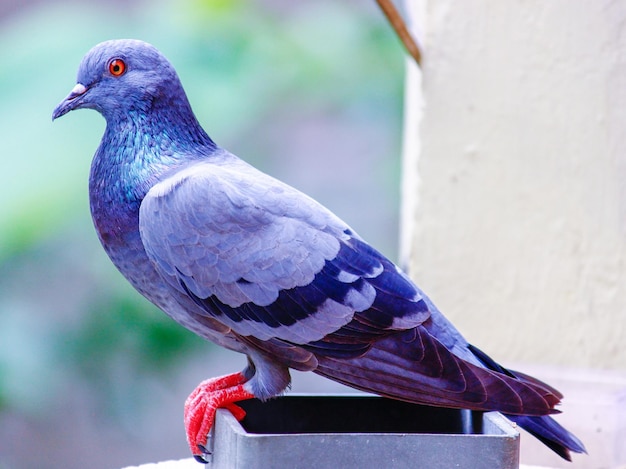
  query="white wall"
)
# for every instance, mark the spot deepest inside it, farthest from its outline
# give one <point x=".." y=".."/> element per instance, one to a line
<point x="515" y="175"/>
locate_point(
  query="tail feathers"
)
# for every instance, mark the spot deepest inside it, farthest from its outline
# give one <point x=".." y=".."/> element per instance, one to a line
<point x="414" y="366"/>
<point x="491" y="364"/>
<point x="544" y="428"/>
<point x="550" y="433"/>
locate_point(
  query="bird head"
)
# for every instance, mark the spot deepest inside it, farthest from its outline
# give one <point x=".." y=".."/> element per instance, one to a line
<point x="119" y="77"/>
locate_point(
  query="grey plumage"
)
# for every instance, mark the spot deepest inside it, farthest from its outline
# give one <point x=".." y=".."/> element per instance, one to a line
<point x="258" y="267"/>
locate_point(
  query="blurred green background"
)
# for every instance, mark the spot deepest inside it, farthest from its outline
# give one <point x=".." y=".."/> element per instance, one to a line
<point x="92" y="375"/>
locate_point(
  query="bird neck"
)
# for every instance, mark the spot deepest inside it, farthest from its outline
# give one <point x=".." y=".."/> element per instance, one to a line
<point x="144" y="145"/>
<point x="136" y="152"/>
<point x="172" y="120"/>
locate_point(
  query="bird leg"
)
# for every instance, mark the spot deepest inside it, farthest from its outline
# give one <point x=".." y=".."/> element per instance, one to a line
<point x="202" y="403"/>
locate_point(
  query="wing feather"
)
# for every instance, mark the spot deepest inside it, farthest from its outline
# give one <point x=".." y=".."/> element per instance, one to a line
<point x="271" y="263"/>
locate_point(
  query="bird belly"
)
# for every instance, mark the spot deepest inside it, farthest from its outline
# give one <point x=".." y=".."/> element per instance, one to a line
<point x="125" y="249"/>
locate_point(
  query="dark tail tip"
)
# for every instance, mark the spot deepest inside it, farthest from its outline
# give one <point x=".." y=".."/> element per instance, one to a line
<point x="551" y="434"/>
<point x="544" y="428"/>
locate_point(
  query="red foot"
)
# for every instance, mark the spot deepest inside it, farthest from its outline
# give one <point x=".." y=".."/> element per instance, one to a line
<point x="202" y="403"/>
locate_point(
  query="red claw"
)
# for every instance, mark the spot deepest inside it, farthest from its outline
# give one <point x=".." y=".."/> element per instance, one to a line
<point x="202" y="403"/>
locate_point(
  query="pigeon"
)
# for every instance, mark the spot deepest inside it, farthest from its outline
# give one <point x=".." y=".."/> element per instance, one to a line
<point x="252" y="264"/>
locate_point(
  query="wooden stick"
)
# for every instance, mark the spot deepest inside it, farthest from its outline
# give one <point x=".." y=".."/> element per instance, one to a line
<point x="400" y="28"/>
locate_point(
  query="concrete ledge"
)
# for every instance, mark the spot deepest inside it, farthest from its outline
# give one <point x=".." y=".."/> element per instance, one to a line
<point x="191" y="463"/>
<point x="361" y="431"/>
<point x="594" y="409"/>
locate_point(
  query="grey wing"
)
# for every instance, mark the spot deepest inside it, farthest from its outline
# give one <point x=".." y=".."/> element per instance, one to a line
<point x="235" y="238"/>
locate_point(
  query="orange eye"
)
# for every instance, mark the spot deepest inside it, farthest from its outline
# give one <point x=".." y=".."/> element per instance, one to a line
<point x="117" y="67"/>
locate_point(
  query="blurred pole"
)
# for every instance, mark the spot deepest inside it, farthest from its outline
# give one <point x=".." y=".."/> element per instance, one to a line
<point x="398" y="24"/>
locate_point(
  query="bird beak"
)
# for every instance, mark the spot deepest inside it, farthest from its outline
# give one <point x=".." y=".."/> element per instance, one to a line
<point x="70" y="102"/>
